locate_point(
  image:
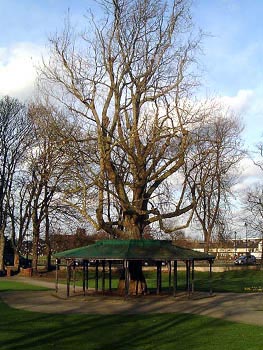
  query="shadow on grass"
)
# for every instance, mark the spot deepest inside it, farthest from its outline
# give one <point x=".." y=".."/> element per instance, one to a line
<point x="28" y="330"/>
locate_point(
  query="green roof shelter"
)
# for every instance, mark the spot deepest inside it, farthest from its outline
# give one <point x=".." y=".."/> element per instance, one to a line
<point x="132" y="254"/>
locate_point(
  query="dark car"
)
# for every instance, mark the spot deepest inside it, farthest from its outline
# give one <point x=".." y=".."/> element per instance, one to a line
<point x="23" y="262"/>
<point x="245" y="260"/>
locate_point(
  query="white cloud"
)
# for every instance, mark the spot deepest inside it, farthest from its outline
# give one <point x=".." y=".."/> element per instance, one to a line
<point x="239" y="103"/>
<point x="250" y="174"/>
<point x="18" y="69"/>
<point x="249" y="169"/>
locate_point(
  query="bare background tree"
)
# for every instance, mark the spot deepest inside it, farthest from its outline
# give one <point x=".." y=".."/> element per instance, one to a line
<point x="253" y="204"/>
<point x="46" y="170"/>
<point x="253" y="199"/>
<point x="14" y="127"/>
<point x="34" y="174"/>
<point x="20" y="205"/>
<point x="212" y="167"/>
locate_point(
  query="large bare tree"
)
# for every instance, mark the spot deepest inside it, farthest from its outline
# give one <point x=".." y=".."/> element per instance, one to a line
<point x="130" y="80"/>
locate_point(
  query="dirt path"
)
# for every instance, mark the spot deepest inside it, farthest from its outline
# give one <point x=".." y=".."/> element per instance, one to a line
<point x="244" y="308"/>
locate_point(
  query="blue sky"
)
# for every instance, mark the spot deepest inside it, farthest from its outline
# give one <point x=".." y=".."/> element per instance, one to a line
<point x="34" y="20"/>
<point x="233" y="57"/>
<point x="232" y="53"/>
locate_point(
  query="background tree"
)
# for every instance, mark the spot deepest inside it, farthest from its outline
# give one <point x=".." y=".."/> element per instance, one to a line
<point x="14" y="128"/>
<point x="253" y="203"/>
<point x="45" y="173"/>
<point x="253" y="199"/>
<point x="20" y="205"/>
<point x="212" y="167"/>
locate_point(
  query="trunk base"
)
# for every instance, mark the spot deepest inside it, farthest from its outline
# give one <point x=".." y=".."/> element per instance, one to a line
<point x="136" y="280"/>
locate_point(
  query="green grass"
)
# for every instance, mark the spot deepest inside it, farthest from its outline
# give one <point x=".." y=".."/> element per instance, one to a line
<point x="6" y="286"/>
<point x="237" y="281"/>
<point x="26" y="330"/>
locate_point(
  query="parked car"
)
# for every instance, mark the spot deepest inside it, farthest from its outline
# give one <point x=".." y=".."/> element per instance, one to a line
<point x="23" y="262"/>
<point x="245" y="260"/>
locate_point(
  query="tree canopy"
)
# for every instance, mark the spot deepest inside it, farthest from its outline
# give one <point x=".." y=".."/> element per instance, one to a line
<point x="130" y="80"/>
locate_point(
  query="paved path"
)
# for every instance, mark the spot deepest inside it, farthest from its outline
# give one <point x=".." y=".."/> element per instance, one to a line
<point x="245" y="308"/>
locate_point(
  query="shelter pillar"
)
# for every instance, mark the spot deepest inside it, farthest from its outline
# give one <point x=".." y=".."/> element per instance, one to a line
<point x="97" y="276"/>
<point x="193" y="275"/>
<point x="74" y="276"/>
<point x="103" y="276"/>
<point x="210" y="277"/>
<point x="56" y="285"/>
<point x="110" y="276"/>
<point x="188" y="267"/>
<point x="175" y="278"/>
<point x="159" y="277"/>
<point x="85" y="276"/>
<point x="68" y="277"/>
<point x="126" y="273"/>
<point x="170" y="275"/>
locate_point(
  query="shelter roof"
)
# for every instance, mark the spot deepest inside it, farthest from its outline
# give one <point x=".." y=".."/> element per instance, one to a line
<point x="133" y="250"/>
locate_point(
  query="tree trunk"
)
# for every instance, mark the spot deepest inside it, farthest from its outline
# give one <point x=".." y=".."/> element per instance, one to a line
<point x="48" y="257"/>
<point x="47" y="232"/>
<point x="35" y="247"/>
<point x="2" y="249"/>
<point x="47" y="242"/>
<point x="133" y="229"/>
<point x="261" y="258"/>
<point x="137" y="283"/>
<point x="207" y="237"/>
<point x="133" y="226"/>
<point x="16" y="259"/>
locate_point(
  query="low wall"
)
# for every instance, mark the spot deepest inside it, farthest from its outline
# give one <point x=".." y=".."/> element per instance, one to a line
<point x="26" y="272"/>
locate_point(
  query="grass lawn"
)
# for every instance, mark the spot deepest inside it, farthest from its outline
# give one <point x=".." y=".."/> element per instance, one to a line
<point x="238" y="281"/>
<point x="6" y="286"/>
<point x="25" y="330"/>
